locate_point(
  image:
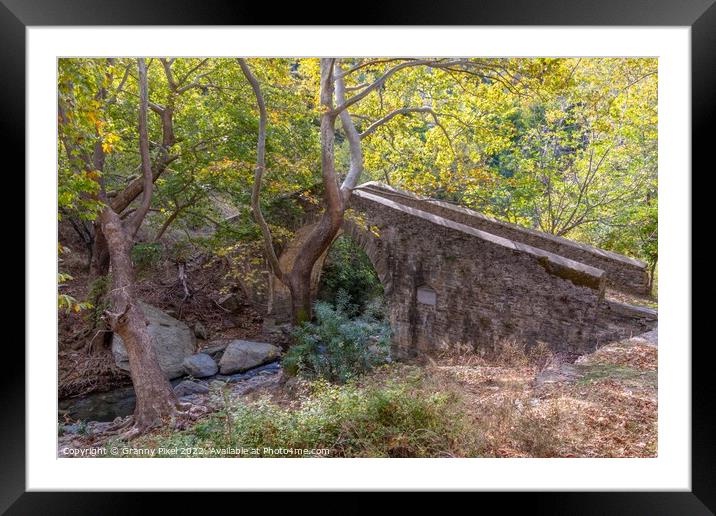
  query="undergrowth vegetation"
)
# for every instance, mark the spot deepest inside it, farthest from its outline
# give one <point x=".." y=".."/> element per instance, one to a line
<point x="461" y="407"/>
<point x="341" y="344"/>
<point x="401" y="416"/>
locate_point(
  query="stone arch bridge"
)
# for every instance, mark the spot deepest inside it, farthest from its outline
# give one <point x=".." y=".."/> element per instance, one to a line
<point x="455" y="278"/>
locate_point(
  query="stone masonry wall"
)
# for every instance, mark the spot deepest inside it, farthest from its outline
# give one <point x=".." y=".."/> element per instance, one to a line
<point x="449" y="285"/>
<point x="618" y="321"/>
<point x="622" y="273"/>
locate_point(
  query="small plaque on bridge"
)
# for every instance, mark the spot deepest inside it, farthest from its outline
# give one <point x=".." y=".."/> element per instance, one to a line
<point x="427" y="296"/>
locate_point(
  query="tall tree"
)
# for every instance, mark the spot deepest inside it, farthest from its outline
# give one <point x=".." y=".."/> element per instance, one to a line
<point x="334" y="105"/>
<point x="156" y="401"/>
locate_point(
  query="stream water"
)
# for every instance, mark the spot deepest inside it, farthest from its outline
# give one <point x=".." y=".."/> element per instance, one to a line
<point x="106" y="406"/>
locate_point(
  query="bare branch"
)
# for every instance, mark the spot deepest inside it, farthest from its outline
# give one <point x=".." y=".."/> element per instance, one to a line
<point x="334" y="197"/>
<point x="258" y="174"/>
<point x="175" y="214"/>
<point x="369" y="63"/>
<point x="356" y="160"/>
<point x="406" y="111"/>
<point x="447" y="64"/>
<point x="167" y="64"/>
<point x="156" y="108"/>
<point x="387" y="118"/>
<point x="192" y="70"/>
<point x="148" y="180"/>
<point x="120" y="87"/>
<point x="381" y="80"/>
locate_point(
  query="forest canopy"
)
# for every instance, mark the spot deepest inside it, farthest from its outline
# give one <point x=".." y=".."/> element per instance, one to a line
<point x="567" y="146"/>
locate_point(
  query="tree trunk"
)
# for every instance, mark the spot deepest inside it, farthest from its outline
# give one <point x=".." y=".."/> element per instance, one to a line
<point x="315" y="245"/>
<point x="155" y="398"/>
<point x="652" y="270"/>
<point x="100" y="253"/>
<point x="300" y="287"/>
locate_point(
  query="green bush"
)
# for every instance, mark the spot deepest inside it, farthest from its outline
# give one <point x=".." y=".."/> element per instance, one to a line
<point x="337" y="347"/>
<point x="349" y="269"/>
<point x="145" y="256"/>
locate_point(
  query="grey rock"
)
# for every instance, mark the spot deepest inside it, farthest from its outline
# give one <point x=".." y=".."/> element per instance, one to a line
<point x="241" y="355"/>
<point x="230" y="302"/>
<point x="200" y="331"/>
<point x="173" y="341"/>
<point x="200" y="365"/>
<point x="217" y="384"/>
<point x="188" y="387"/>
<point x="652" y="337"/>
<point x="215" y="349"/>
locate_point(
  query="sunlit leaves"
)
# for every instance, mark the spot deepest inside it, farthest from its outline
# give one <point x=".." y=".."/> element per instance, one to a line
<point x="562" y="144"/>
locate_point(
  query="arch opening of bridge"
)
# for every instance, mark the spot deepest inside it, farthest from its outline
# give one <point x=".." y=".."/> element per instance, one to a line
<point x="349" y="268"/>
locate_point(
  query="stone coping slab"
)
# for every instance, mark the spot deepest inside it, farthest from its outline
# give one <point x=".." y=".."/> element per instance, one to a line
<point x="577" y="272"/>
<point x="385" y="190"/>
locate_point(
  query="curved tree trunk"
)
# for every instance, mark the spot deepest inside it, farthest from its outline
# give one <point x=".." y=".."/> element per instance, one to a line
<point x="156" y="401"/>
<point x="300" y="288"/>
<point x="299" y="279"/>
<point x="100" y="253"/>
<point x="155" y="398"/>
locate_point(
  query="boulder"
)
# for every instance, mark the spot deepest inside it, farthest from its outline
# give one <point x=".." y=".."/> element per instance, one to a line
<point x="187" y="388"/>
<point x="215" y="349"/>
<point x="172" y="339"/>
<point x="230" y="302"/>
<point x="241" y="355"/>
<point x="200" y="331"/>
<point x="200" y="365"/>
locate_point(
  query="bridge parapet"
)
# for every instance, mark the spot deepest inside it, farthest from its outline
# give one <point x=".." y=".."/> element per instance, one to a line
<point x="622" y="273"/>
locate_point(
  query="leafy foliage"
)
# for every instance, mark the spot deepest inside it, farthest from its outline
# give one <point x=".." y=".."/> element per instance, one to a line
<point x="146" y="255"/>
<point x="348" y="269"/>
<point x="336" y="347"/>
<point x="65" y="301"/>
<point x="565" y="145"/>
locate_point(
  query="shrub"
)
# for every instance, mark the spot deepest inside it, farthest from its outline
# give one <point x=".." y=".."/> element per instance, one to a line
<point x="402" y="417"/>
<point x="145" y="256"/>
<point x="337" y="347"/>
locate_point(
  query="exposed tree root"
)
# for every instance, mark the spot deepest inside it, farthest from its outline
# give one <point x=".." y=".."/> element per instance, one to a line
<point x="183" y="415"/>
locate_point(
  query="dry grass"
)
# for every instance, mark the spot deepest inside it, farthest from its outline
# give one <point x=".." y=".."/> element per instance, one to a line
<point x="650" y="301"/>
<point x="610" y="410"/>
<point x="501" y="408"/>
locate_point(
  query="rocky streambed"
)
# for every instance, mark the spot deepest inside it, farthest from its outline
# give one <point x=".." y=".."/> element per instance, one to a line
<point x="192" y="369"/>
<point x="107" y="406"/>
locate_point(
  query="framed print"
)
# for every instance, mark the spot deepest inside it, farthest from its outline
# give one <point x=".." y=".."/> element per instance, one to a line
<point x="409" y="251"/>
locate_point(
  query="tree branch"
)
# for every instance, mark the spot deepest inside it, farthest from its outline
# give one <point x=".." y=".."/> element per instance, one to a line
<point x="334" y="197"/>
<point x="148" y="180"/>
<point x="406" y="111"/>
<point x="378" y="82"/>
<point x="258" y="173"/>
<point x="356" y="159"/>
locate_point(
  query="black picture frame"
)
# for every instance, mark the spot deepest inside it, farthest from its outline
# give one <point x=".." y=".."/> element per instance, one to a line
<point x="700" y="15"/>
